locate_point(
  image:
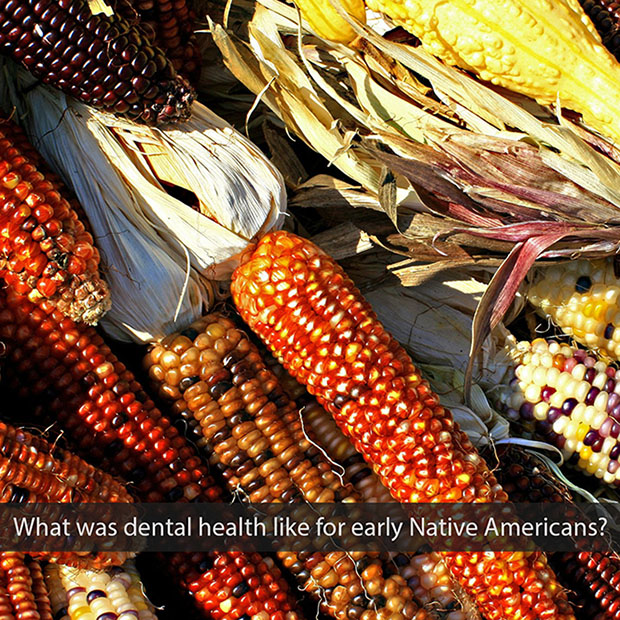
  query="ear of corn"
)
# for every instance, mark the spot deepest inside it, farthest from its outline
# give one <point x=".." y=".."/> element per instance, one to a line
<point x="518" y="44"/>
<point x="221" y="389"/>
<point x="45" y="251"/>
<point x="23" y="594"/>
<point x="100" y="59"/>
<point x="82" y="594"/>
<point x="593" y="579"/>
<point x="569" y="398"/>
<point x="582" y="298"/>
<point x="108" y="417"/>
<point x="300" y="302"/>
<point x="325" y="20"/>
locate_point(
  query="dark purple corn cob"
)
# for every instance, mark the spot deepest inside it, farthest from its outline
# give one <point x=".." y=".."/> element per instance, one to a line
<point x="605" y="15"/>
<point x="104" y="60"/>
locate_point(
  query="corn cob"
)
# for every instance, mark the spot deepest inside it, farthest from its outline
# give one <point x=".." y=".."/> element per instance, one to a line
<point x="45" y="251"/>
<point x="220" y="387"/>
<point x="308" y="312"/>
<point x="172" y="26"/>
<point x="114" y="594"/>
<point x="592" y="578"/>
<point x="570" y="399"/>
<point x="582" y="298"/>
<point x="518" y="45"/>
<point x="22" y="592"/>
<point x="605" y="15"/>
<point x="100" y="59"/>
<point x="426" y="573"/>
<point x="110" y="419"/>
<point x="325" y="20"/>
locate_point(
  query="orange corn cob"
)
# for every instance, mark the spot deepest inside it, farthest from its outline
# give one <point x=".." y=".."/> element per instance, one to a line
<point x="593" y="579"/>
<point x="309" y="313"/>
<point x="45" y="251"/>
<point x="220" y="386"/>
<point x="109" y="418"/>
<point x="23" y="595"/>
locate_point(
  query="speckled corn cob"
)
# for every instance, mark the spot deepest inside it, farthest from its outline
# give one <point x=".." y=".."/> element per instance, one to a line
<point x="571" y="400"/>
<point x="109" y="418"/>
<point x="221" y="388"/>
<point x="114" y="594"/>
<point x="582" y="298"/>
<point x="605" y="15"/>
<point x="23" y="595"/>
<point x="593" y="579"/>
<point x="309" y="313"/>
<point x="45" y="251"/>
<point x="101" y="59"/>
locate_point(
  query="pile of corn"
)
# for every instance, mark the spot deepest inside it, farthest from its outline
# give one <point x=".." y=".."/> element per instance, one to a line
<point x="482" y="138"/>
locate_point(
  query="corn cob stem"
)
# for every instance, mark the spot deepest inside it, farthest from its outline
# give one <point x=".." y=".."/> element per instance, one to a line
<point x="102" y="60"/>
<point x="110" y="419"/>
<point x="45" y="251"/>
<point x="216" y="379"/>
<point x="300" y="302"/>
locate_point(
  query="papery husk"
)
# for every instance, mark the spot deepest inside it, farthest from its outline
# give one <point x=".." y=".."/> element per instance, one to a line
<point x="162" y="256"/>
<point x="487" y="171"/>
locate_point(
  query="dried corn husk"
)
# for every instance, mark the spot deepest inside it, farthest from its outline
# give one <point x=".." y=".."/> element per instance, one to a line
<point x="162" y="255"/>
<point x="490" y="172"/>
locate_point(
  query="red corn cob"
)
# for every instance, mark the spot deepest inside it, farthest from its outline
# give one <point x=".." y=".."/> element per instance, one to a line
<point x="103" y="60"/>
<point x="23" y="594"/>
<point x="110" y="419"/>
<point x="45" y="251"/>
<point x="309" y="313"/>
<point x="593" y="578"/>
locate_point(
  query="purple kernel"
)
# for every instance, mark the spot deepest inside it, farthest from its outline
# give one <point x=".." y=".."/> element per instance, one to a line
<point x="612" y="401"/>
<point x="553" y="414"/>
<point x="615" y="412"/>
<point x="570" y="363"/>
<point x="589" y="375"/>
<point x="615" y="430"/>
<point x="546" y="393"/>
<point x="543" y="427"/>
<point x="590" y="438"/>
<point x="568" y="405"/>
<point x="615" y="452"/>
<point x="527" y="411"/>
<point x="612" y="467"/>
<point x="589" y="362"/>
<point x="580" y="355"/>
<point x="560" y="441"/>
<point x="609" y="331"/>
<point x="514" y="382"/>
<point x="598" y="444"/>
<point x="605" y="429"/>
<point x="591" y="396"/>
<point x="107" y="616"/>
<point x="610" y="371"/>
<point x="610" y="385"/>
<point x="93" y="594"/>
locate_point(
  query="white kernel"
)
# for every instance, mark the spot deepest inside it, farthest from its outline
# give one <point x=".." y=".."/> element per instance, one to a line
<point x="562" y="382"/>
<point x="516" y="400"/>
<point x="524" y="373"/>
<point x="600" y="380"/>
<point x="571" y="431"/>
<point x="611" y="294"/>
<point x="560" y="425"/>
<point x="557" y="399"/>
<point x="587" y="414"/>
<point x="600" y="402"/>
<point x="532" y="393"/>
<point x="569" y="447"/>
<point x="583" y="387"/>
<point x="539" y="376"/>
<point x="598" y="420"/>
<point x="554" y="348"/>
<point x="608" y="444"/>
<point x="608" y="478"/>
<point x="579" y="372"/>
<point x="553" y="374"/>
<point x="540" y="410"/>
<point x="546" y="360"/>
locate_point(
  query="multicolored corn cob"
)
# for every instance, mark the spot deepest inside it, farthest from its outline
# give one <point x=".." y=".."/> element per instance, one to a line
<point x="581" y="297"/>
<point x="113" y="594"/>
<point x="99" y="58"/>
<point x="572" y="400"/>
<point x="109" y="418"/>
<point x="23" y="595"/>
<point x="221" y="389"/>
<point x="171" y="24"/>
<point x="605" y="15"/>
<point x="309" y="313"/>
<point x="45" y="251"/>
<point x="593" y="579"/>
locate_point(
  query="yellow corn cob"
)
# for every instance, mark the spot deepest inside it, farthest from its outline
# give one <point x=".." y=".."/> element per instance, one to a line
<point x="546" y="49"/>
<point x="582" y="298"/>
<point x="325" y="20"/>
<point x="115" y="594"/>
